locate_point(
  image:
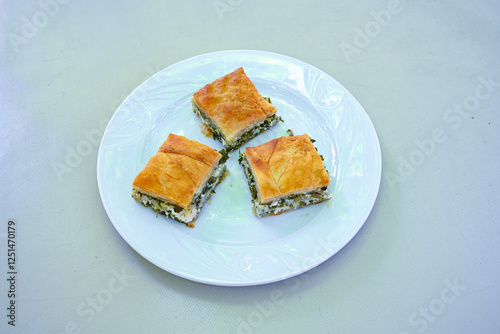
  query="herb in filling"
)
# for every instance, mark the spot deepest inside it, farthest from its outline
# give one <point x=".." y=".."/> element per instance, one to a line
<point x="253" y="132"/>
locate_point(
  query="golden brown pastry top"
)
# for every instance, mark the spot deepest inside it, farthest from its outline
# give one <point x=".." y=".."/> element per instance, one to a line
<point x="286" y="165"/>
<point x="233" y="103"/>
<point x="176" y="172"/>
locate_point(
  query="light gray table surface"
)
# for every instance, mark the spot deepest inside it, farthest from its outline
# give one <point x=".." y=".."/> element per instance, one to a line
<point x="426" y="72"/>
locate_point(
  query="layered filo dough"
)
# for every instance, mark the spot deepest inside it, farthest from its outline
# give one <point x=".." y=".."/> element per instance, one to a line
<point x="178" y="180"/>
<point x="285" y="174"/>
<point x="233" y="109"/>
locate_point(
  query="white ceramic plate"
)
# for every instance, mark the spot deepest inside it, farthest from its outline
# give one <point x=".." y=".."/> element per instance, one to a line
<point x="229" y="245"/>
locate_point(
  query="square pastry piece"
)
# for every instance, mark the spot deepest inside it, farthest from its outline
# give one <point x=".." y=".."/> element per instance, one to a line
<point x="285" y="174"/>
<point x="179" y="178"/>
<point x="233" y="110"/>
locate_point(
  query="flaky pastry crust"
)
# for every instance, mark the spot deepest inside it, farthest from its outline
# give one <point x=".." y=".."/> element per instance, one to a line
<point x="233" y="103"/>
<point x="177" y="171"/>
<point x="285" y="166"/>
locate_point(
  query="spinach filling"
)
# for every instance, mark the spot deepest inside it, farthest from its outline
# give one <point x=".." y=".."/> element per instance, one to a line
<point x="170" y="210"/>
<point x="253" y="132"/>
<point x="212" y="182"/>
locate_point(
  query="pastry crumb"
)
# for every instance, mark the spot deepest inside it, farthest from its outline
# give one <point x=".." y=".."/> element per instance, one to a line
<point x="206" y="130"/>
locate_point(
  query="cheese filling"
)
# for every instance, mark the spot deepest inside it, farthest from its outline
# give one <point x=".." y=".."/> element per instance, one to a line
<point x="281" y="204"/>
<point x="174" y="211"/>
